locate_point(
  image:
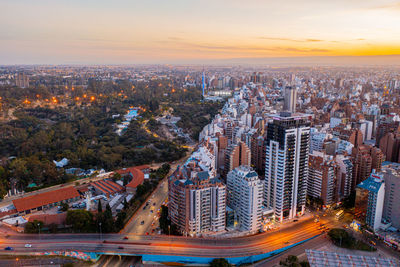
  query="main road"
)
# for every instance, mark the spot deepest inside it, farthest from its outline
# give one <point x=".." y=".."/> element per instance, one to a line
<point x="166" y="245"/>
<point x="146" y="218"/>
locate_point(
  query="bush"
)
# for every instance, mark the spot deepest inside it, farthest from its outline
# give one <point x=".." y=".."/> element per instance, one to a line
<point x="342" y="238"/>
<point x="220" y="263"/>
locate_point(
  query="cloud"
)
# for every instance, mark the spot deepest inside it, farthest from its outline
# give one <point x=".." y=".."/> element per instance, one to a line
<point x="290" y="39"/>
<point x="174" y="38"/>
<point x="390" y="7"/>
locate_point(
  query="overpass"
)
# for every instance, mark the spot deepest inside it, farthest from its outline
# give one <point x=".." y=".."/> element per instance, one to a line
<point x="166" y="249"/>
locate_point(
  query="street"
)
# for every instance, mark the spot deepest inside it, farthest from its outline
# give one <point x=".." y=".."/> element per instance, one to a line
<point x="165" y="245"/>
<point x="159" y="195"/>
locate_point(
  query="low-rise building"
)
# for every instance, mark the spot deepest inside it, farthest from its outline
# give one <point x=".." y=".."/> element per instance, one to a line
<point x="46" y="200"/>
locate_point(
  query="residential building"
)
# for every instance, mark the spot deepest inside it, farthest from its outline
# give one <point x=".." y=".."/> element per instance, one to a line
<point x="197" y="202"/>
<point x="236" y="155"/>
<point x="365" y="159"/>
<point x="22" y="80"/>
<point x="290" y="99"/>
<point x="322" y="178"/>
<point x="391" y="208"/>
<point x="286" y="164"/>
<point x="370" y="196"/>
<point x="245" y="197"/>
<point x="390" y="146"/>
<point x="345" y="176"/>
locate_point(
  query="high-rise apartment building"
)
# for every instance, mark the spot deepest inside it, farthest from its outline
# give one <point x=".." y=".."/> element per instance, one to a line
<point x="391" y="207"/>
<point x="236" y="155"/>
<point x="286" y="164"/>
<point x="365" y="159"/>
<point x="370" y="195"/>
<point x="390" y="146"/>
<point x="258" y="153"/>
<point x="245" y="197"/>
<point x="22" y="80"/>
<point x="345" y="176"/>
<point x="386" y="125"/>
<point x="197" y="202"/>
<point x="290" y="99"/>
<point x="322" y="177"/>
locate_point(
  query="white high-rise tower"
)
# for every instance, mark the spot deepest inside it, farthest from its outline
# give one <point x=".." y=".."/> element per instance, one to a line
<point x="290" y="99"/>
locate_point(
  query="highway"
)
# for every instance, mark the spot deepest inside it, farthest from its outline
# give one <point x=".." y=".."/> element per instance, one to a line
<point x="165" y="245"/>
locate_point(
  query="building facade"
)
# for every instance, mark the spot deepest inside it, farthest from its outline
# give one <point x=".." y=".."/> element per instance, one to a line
<point x="322" y="178"/>
<point x="286" y="164"/>
<point x="197" y="202"/>
<point x="370" y="195"/>
<point x="245" y="197"/>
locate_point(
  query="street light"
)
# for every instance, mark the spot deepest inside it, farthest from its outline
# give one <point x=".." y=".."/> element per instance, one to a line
<point x="39" y="229"/>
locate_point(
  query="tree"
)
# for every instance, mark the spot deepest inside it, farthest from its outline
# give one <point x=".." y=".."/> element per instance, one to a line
<point x="291" y="260"/>
<point x="119" y="223"/>
<point x="116" y="177"/>
<point x="99" y="207"/>
<point x="80" y="220"/>
<point x="220" y="263"/>
<point x="64" y="207"/>
<point x="33" y="227"/>
<point x="126" y="205"/>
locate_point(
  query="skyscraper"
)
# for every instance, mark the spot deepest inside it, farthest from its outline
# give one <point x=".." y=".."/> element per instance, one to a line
<point x="290" y="99"/>
<point x="245" y="197"/>
<point x="286" y="164"/>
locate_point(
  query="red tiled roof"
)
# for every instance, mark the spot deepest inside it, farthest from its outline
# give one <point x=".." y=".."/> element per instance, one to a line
<point x="138" y="178"/>
<point x="45" y="198"/>
<point x="49" y="218"/>
<point x="131" y="169"/>
<point x="101" y="188"/>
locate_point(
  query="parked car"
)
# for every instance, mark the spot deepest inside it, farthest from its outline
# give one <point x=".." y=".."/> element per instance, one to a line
<point x="28" y="245"/>
<point x="142" y="222"/>
<point x="120" y="247"/>
<point x="8" y="248"/>
<point x="125" y="237"/>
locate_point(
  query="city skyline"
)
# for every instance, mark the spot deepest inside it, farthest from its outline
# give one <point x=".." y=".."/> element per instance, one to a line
<point x="132" y="32"/>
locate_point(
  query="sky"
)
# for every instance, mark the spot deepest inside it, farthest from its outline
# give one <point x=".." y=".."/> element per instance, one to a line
<point x="193" y="31"/>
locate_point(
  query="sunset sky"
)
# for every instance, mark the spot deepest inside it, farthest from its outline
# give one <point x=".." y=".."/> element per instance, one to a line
<point x="183" y="31"/>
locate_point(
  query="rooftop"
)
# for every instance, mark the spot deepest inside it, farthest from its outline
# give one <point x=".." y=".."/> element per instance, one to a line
<point x="45" y="198"/>
<point x="318" y="258"/>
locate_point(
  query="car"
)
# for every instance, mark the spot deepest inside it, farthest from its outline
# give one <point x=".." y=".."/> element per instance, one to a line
<point x="372" y="243"/>
<point x="120" y="247"/>
<point x="125" y="237"/>
<point x="296" y="220"/>
<point x="152" y="230"/>
<point x="28" y="245"/>
<point x="147" y="233"/>
<point x="8" y="248"/>
<point x="142" y="222"/>
<point x="154" y="203"/>
<point x="151" y="211"/>
<point x="144" y="207"/>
